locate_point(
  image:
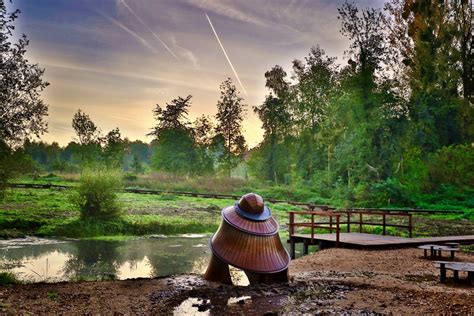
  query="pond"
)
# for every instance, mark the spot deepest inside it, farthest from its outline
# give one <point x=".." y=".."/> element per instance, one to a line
<point x="53" y="260"/>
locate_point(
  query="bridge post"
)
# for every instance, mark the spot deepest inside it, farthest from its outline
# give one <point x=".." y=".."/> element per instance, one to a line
<point x="292" y="248"/>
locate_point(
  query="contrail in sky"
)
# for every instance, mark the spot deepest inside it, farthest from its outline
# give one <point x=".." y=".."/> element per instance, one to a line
<point x="148" y="28"/>
<point x="129" y="31"/>
<point x="223" y="50"/>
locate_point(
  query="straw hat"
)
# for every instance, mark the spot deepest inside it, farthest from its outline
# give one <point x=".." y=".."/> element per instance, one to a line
<point x="248" y="237"/>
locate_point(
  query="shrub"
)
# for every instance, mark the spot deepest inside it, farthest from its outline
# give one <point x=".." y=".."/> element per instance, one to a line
<point x="7" y="278"/>
<point x="96" y="194"/>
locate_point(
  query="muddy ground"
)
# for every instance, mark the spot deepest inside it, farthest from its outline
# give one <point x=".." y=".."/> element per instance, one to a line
<point x="325" y="282"/>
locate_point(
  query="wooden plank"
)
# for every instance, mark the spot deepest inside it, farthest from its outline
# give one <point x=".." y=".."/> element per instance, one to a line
<point x="361" y="239"/>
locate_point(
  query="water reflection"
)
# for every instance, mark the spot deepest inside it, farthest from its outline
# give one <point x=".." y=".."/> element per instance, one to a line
<point x="36" y="259"/>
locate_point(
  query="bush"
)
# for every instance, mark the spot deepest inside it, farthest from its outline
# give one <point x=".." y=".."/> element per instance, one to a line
<point x="96" y="195"/>
<point x="7" y="278"/>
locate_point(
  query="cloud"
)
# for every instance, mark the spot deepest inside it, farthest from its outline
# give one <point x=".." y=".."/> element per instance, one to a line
<point x="129" y="31"/>
<point x="131" y="75"/>
<point x="147" y="27"/>
<point x="226" y="10"/>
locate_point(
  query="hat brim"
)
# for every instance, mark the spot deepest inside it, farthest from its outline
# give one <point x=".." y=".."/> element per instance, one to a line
<point x="266" y="214"/>
<point x="266" y="227"/>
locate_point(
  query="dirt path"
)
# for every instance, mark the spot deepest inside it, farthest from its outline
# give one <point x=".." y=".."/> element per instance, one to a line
<point x="329" y="281"/>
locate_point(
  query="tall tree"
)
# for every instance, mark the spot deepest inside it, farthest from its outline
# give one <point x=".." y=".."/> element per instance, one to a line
<point x="22" y="111"/>
<point x="114" y="149"/>
<point x="439" y="38"/>
<point x="275" y="115"/>
<point x="174" y="144"/>
<point x="173" y="117"/>
<point x="230" y="114"/>
<point x="89" y="137"/>
<point x="316" y="77"/>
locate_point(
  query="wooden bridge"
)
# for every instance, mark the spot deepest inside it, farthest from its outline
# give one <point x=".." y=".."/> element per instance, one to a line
<point x="309" y="225"/>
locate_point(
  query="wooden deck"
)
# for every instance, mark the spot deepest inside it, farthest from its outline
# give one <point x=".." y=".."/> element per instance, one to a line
<point x="369" y="241"/>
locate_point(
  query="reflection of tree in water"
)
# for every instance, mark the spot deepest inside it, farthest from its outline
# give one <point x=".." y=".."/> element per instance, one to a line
<point x="94" y="260"/>
<point x="15" y="257"/>
<point x="169" y="256"/>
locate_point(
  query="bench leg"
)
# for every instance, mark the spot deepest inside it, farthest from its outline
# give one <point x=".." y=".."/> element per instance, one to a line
<point x="305" y="247"/>
<point x="456" y="276"/>
<point x="452" y="255"/>
<point x="432" y="252"/>
<point x="470" y="277"/>
<point x="442" y="273"/>
<point x="292" y="248"/>
<point x="425" y="251"/>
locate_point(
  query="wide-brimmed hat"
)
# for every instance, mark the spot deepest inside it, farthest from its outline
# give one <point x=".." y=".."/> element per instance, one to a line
<point x="251" y="215"/>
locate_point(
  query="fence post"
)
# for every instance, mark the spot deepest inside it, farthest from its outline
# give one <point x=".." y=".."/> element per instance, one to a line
<point x="384" y="223"/>
<point x="312" y="227"/>
<point x="360" y="222"/>
<point x="337" y="230"/>
<point x="292" y="220"/>
<point x="330" y="224"/>
<point x="410" y="224"/>
<point x="348" y="222"/>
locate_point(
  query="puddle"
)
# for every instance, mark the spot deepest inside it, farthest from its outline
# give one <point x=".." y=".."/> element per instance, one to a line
<point x="238" y="300"/>
<point x="193" y="306"/>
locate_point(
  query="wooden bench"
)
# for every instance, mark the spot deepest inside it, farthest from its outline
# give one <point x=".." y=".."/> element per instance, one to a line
<point x="435" y="250"/>
<point x="456" y="267"/>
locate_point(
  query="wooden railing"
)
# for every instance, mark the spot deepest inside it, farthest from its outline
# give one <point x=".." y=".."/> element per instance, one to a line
<point x="384" y="215"/>
<point x="331" y="225"/>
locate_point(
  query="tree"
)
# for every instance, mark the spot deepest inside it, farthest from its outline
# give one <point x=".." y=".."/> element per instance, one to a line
<point x="276" y="82"/>
<point x="114" y="149"/>
<point x="86" y="130"/>
<point x="22" y="111"/>
<point x="438" y="72"/>
<point x="137" y="166"/>
<point x="230" y="114"/>
<point x="316" y="84"/>
<point x="276" y="119"/>
<point x="173" y="117"/>
<point x="174" y="143"/>
<point x="89" y="138"/>
<point x="203" y="131"/>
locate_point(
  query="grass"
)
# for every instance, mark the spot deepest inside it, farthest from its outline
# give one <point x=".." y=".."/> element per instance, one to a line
<point x="49" y="212"/>
<point x="7" y="278"/>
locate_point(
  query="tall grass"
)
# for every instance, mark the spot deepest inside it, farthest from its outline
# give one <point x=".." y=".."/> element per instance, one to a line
<point x="171" y="182"/>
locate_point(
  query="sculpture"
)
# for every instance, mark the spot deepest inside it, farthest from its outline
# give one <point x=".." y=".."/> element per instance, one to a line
<point x="248" y="240"/>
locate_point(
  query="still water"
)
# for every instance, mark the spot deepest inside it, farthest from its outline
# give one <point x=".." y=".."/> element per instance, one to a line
<point x="52" y="260"/>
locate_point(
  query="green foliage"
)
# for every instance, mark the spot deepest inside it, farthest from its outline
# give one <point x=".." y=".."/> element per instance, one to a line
<point x="96" y="194"/>
<point x="8" y="278"/>
<point x="453" y="165"/>
<point x="22" y="111"/>
<point x="175" y="152"/>
<point x="229" y="116"/>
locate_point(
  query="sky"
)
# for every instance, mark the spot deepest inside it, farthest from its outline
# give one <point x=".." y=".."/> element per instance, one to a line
<point x="117" y="59"/>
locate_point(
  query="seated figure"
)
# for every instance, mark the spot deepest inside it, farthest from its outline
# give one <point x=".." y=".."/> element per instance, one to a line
<point x="248" y="240"/>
